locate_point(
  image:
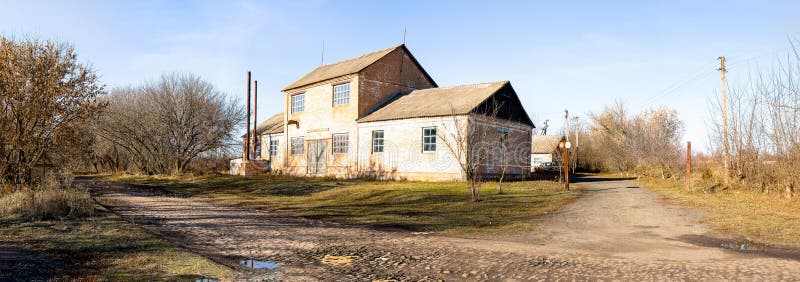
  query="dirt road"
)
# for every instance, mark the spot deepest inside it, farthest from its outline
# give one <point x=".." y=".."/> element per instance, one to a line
<point x="616" y="231"/>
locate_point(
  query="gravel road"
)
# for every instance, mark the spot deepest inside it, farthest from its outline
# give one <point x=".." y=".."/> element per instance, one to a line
<point x="615" y="231"/>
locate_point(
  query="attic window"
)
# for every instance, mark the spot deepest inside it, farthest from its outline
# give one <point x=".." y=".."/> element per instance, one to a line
<point x="298" y="103"/>
<point x="341" y="94"/>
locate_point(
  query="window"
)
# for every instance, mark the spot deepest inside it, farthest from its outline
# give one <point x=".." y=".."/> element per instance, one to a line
<point x="377" y="141"/>
<point x="341" y="94"/>
<point x="503" y="131"/>
<point x="340" y="143"/>
<point x="429" y="139"/>
<point x="297" y="145"/>
<point x="298" y="103"/>
<point x="273" y="148"/>
<point x="257" y="149"/>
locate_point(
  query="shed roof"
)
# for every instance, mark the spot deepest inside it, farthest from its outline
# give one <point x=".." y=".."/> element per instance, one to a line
<point x="544" y="144"/>
<point x="433" y="102"/>
<point x="349" y="66"/>
<point x="272" y="125"/>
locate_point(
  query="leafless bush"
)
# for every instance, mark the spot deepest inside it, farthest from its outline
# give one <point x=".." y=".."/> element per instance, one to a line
<point x="163" y="126"/>
<point x="764" y="128"/>
<point x="645" y="143"/>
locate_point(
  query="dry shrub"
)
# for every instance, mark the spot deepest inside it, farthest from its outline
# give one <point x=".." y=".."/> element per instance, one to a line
<point x="53" y="198"/>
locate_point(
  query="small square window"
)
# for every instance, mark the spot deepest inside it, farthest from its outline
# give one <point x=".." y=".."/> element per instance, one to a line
<point x="377" y="141"/>
<point x="298" y="103"/>
<point x="341" y="94"/>
<point x="429" y="139"/>
<point x="340" y="143"/>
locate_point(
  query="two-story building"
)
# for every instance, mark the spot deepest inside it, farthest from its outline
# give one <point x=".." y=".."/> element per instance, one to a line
<point x="382" y="115"/>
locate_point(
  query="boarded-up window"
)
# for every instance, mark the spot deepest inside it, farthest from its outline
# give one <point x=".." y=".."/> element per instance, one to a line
<point x="297" y="145"/>
<point x="340" y="143"/>
<point x="429" y="139"/>
<point x="377" y="141"/>
<point x="341" y="94"/>
<point x="298" y="103"/>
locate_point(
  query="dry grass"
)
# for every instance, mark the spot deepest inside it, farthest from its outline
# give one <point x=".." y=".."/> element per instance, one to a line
<point x="53" y="198"/>
<point x="100" y="248"/>
<point x="417" y="206"/>
<point x="764" y="218"/>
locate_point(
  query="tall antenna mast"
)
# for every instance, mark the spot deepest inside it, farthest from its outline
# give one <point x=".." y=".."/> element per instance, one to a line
<point x="322" y="58"/>
<point x="404" y="35"/>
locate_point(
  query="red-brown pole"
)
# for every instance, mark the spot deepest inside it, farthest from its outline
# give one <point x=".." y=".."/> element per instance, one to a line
<point x="247" y="127"/>
<point x="688" y="165"/>
<point x="255" y="117"/>
<point x="566" y="167"/>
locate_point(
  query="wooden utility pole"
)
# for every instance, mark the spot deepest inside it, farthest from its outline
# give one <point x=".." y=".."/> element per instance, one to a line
<point x="255" y="118"/>
<point x="725" y="136"/>
<point x="246" y="153"/>
<point x="688" y="165"/>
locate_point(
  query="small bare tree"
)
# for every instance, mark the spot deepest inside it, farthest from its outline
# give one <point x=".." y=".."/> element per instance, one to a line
<point x="46" y="96"/>
<point x="468" y="142"/>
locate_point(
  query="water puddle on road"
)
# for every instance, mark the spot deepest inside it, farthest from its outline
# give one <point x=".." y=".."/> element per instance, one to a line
<point x="258" y="264"/>
<point x="744" y="247"/>
<point x="205" y="280"/>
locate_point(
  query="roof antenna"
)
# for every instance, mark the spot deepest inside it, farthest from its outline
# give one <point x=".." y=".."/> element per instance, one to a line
<point x="404" y="35"/>
<point x="322" y="59"/>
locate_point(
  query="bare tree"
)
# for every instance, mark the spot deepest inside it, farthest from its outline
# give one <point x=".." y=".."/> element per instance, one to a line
<point x="46" y="95"/>
<point x="472" y="144"/>
<point x="162" y="126"/>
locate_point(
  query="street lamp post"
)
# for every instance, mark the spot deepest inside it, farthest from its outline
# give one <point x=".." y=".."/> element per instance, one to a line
<point x="564" y="145"/>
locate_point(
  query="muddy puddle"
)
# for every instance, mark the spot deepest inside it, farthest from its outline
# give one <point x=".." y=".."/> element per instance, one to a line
<point x="744" y="246"/>
<point x="258" y="264"/>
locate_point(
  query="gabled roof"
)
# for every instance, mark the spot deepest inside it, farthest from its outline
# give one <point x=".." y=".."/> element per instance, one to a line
<point x="544" y="144"/>
<point x="272" y="125"/>
<point x="349" y="66"/>
<point x="431" y="102"/>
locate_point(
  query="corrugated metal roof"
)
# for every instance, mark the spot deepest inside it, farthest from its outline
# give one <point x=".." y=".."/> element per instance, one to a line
<point x="341" y="68"/>
<point x="433" y="102"/>
<point x="544" y="144"/>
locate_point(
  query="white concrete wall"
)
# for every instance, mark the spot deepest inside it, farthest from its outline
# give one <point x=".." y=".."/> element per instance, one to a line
<point x="403" y="157"/>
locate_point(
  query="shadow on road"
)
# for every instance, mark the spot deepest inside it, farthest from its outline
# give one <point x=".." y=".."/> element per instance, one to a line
<point x="589" y="179"/>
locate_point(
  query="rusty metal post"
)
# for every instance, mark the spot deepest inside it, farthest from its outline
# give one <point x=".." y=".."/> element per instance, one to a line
<point x="688" y="165"/>
<point x="247" y="127"/>
<point x="566" y="167"/>
<point x="255" y="118"/>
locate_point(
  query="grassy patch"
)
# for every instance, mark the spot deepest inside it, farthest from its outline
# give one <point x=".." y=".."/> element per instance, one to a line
<point x="416" y="206"/>
<point x="764" y="218"/>
<point x="103" y="247"/>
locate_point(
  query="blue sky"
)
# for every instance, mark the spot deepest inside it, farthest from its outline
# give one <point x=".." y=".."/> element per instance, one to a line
<point x="576" y="55"/>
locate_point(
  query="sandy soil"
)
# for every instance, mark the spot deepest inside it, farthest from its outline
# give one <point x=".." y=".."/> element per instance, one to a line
<point x="615" y="231"/>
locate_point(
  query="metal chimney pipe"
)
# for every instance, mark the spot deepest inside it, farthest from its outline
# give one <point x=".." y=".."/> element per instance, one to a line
<point x="247" y="127"/>
<point x="255" y="118"/>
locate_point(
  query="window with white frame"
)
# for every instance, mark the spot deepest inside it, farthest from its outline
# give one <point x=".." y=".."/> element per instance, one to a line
<point x="298" y="103"/>
<point x="340" y="143"/>
<point x="429" y="139"/>
<point x="297" y="145"/>
<point x="273" y="147"/>
<point x="341" y="94"/>
<point x="377" y="141"/>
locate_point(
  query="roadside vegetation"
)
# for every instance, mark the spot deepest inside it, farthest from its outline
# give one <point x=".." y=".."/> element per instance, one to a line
<point x="415" y="206"/>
